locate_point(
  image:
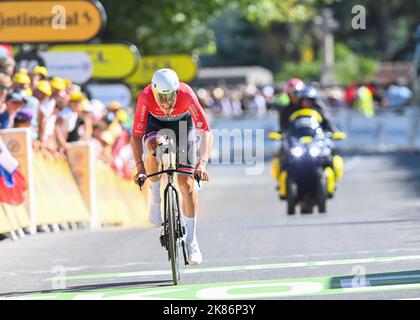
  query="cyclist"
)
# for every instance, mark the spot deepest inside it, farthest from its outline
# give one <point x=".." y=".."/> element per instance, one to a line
<point x="169" y="104"/>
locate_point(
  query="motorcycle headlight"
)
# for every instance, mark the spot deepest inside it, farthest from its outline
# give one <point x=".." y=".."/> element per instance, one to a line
<point x="315" y="151"/>
<point x="297" y="152"/>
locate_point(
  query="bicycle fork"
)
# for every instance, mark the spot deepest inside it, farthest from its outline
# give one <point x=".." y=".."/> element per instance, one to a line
<point x="180" y="227"/>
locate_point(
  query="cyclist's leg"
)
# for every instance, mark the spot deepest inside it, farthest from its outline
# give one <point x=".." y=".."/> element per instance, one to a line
<point x="187" y="158"/>
<point x="152" y="165"/>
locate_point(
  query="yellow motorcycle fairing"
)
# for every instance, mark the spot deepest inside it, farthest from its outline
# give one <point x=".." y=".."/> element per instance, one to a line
<point x="283" y="184"/>
<point x="306" y="140"/>
<point x="330" y="180"/>
<point x="306" y="113"/>
<point x="275" y="168"/>
<point x="338" y="165"/>
<point x="276" y="136"/>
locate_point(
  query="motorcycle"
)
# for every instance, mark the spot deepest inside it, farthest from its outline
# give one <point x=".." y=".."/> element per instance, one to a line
<point x="307" y="170"/>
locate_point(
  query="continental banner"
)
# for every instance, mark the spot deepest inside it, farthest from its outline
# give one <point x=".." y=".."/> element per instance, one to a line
<point x="50" y="21"/>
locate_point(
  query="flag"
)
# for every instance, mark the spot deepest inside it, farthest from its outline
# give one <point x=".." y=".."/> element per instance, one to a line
<point x="12" y="182"/>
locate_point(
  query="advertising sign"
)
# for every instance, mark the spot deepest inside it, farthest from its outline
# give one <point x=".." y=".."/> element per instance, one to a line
<point x="111" y="92"/>
<point x="81" y="160"/>
<point x="50" y="21"/>
<point x="110" y="60"/>
<point x="184" y="65"/>
<point x="18" y="142"/>
<point x="75" y="66"/>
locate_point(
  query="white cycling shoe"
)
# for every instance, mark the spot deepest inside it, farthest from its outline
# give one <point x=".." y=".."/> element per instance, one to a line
<point x="194" y="256"/>
<point x="155" y="216"/>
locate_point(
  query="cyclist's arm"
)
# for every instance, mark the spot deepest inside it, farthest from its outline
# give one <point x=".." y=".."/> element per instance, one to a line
<point x="137" y="147"/>
<point x="202" y="125"/>
<point x="138" y="132"/>
<point x="206" y="138"/>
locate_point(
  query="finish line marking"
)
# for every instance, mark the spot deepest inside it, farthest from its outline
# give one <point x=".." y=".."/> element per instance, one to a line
<point x="266" y="289"/>
<point x="237" y="268"/>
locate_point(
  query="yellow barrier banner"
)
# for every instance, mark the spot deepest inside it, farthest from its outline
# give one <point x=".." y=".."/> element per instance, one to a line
<point x="81" y="160"/>
<point x="119" y="201"/>
<point x="58" y="198"/>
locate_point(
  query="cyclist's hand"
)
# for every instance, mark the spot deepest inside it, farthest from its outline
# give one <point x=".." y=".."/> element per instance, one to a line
<point x="200" y="172"/>
<point x="140" y="178"/>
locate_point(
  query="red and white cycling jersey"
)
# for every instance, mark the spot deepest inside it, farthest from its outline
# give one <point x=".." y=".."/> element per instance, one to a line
<point x="186" y="103"/>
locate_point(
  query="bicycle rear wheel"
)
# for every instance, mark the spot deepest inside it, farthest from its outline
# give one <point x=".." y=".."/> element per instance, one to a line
<point x="173" y="248"/>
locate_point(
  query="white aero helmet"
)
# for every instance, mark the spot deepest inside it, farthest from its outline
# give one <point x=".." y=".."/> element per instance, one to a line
<point x="165" y="85"/>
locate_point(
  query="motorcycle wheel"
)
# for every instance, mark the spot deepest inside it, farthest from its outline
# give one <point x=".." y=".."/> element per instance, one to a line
<point x="322" y="193"/>
<point x="307" y="209"/>
<point x="292" y="194"/>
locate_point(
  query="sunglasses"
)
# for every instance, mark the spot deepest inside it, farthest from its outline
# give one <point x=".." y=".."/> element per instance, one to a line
<point x="167" y="98"/>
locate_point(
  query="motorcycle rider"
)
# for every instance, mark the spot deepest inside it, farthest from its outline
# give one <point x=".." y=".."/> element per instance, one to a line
<point x="309" y="99"/>
<point x="302" y="97"/>
<point x="291" y="89"/>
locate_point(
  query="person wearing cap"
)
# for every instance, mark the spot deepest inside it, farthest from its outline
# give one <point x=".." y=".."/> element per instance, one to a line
<point x="49" y="136"/>
<point x="70" y="121"/>
<point x="23" y="118"/>
<point x="39" y="102"/>
<point x="14" y="102"/>
<point x="112" y="108"/>
<point x="39" y="73"/>
<point x="21" y="83"/>
<point x="86" y="114"/>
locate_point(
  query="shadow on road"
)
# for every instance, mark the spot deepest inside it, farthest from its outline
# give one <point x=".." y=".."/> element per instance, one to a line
<point x="94" y="287"/>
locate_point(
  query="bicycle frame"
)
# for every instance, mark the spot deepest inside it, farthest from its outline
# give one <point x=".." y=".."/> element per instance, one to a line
<point x="173" y="229"/>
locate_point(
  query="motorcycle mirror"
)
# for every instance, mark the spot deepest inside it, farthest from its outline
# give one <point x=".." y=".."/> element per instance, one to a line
<point x="275" y="136"/>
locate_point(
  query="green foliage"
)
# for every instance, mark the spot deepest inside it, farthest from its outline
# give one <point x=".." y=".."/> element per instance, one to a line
<point x="352" y="67"/>
<point x="349" y="67"/>
<point x="308" y="71"/>
<point x="173" y="26"/>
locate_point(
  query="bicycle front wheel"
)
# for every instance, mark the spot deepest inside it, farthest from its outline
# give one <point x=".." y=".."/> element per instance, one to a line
<point x="173" y="249"/>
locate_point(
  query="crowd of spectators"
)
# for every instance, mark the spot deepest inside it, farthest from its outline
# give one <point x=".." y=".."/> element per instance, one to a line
<point x="60" y="112"/>
<point x="366" y="97"/>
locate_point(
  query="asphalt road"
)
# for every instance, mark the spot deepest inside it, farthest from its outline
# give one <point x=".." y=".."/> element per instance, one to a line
<point x="366" y="247"/>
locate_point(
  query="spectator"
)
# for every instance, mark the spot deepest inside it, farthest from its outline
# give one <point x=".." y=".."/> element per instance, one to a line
<point x="7" y="65"/>
<point x="70" y="119"/>
<point x="38" y="74"/>
<point x="39" y="101"/>
<point x="14" y="102"/>
<point x="87" y="120"/>
<point x="398" y="95"/>
<point x="23" y="118"/>
<point x="112" y="108"/>
<point x="22" y="82"/>
<point x="4" y="87"/>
